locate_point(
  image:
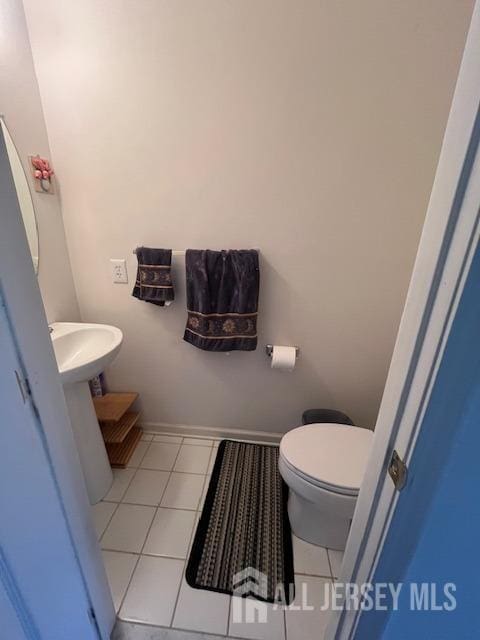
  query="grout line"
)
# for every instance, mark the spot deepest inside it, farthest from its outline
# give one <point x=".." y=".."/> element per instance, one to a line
<point x="180" y="446"/>
<point x="151" y="524"/>
<point x="108" y="523"/>
<point x="127" y="553"/>
<point x="128" y="486"/>
<point x="160" y="502"/>
<point x="178" y="595"/>
<point x="312" y="575"/>
<point x="153" y="506"/>
<point x="156" y="555"/>
<point x="139" y="555"/>
<point x="330" y="565"/>
<point x="212" y="458"/>
<point x="146" y="451"/>
<point x="181" y="578"/>
<point x="229" y="614"/>
<point x="192" y="444"/>
<point x="117" y="503"/>
<point x="189" y="550"/>
<point x="200" y="507"/>
<point x="146" y="555"/>
<point x="128" y="587"/>
<point x="145" y="540"/>
<point x="193" y="473"/>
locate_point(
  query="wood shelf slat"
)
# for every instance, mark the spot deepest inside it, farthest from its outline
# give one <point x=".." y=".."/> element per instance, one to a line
<point x="112" y="406"/>
<point x="120" y="453"/>
<point x="115" y="432"/>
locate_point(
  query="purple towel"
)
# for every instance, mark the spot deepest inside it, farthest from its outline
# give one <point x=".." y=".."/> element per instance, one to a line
<point x="222" y="299"/>
<point x="154" y="277"/>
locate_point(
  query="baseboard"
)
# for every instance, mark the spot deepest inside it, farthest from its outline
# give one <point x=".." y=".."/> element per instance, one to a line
<point x="212" y="432"/>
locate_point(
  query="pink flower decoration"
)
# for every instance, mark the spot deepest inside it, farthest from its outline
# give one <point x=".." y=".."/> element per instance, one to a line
<point x="37" y="163"/>
<point x="42" y="168"/>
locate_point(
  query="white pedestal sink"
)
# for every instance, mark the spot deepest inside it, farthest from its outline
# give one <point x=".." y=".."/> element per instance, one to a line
<point x="82" y="352"/>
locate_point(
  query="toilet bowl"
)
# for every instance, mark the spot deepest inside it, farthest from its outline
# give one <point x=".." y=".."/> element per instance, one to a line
<point x="323" y="466"/>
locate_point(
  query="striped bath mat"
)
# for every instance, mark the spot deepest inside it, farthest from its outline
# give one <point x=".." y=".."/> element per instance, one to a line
<point x="243" y="542"/>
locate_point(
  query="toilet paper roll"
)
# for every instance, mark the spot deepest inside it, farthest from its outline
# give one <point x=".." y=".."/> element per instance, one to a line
<point x="283" y="358"/>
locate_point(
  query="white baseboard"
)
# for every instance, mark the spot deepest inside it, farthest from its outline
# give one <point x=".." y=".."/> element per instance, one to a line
<point x="212" y="432"/>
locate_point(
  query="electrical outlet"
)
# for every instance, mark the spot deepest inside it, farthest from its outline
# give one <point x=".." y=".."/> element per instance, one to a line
<point x="119" y="270"/>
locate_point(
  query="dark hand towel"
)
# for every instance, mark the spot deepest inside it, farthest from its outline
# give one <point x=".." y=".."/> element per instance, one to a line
<point x="154" y="278"/>
<point x="222" y="299"/>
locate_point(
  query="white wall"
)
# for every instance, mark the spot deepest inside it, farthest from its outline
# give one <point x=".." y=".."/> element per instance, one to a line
<point x="21" y="106"/>
<point x="308" y="129"/>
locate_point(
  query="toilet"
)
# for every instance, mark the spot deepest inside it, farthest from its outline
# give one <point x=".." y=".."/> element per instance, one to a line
<point x="323" y="465"/>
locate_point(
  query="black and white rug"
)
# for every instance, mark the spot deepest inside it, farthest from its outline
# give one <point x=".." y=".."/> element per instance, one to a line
<point x="243" y="542"/>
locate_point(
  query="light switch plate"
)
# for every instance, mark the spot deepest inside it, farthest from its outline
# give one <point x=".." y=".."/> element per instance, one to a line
<point x="119" y="270"/>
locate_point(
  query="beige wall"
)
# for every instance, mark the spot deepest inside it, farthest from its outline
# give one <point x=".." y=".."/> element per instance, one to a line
<point x="308" y="129"/>
<point x="20" y="104"/>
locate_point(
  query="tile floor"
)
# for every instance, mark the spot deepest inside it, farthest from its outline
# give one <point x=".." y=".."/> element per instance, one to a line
<point x="146" y="525"/>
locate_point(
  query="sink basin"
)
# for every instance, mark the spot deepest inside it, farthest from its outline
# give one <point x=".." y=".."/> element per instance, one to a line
<point x="84" y="350"/>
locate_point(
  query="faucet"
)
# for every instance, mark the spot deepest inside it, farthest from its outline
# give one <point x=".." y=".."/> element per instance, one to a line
<point x="50" y="329"/>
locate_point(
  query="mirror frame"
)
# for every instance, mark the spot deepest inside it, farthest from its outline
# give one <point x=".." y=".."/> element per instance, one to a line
<point x="16" y="166"/>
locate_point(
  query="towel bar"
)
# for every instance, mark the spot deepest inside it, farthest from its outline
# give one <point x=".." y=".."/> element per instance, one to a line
<point x="178" y="252"/>
<point x="174" y="253"/>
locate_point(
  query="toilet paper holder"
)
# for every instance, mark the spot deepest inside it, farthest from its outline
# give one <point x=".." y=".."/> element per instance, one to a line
<point x="269" y="350"/>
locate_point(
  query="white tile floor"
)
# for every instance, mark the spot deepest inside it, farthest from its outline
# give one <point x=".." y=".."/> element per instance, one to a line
<point x="146" y="525"/>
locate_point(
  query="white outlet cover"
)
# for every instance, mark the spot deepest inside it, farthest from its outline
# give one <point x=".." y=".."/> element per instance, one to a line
<point x="119" y="270"/>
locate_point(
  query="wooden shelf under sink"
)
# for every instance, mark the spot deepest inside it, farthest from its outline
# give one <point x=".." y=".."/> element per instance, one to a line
<point x="120" y="453"/>
<point x="115" y="432"/>
<point x="118" y="426"/>
<point x="113" y="406"/>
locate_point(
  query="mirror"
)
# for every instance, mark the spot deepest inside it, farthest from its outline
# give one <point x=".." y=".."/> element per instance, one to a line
<point x="24" y="196"/>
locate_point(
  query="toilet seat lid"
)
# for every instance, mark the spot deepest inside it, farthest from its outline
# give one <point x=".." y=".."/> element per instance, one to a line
<point x="329" y="454"/>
